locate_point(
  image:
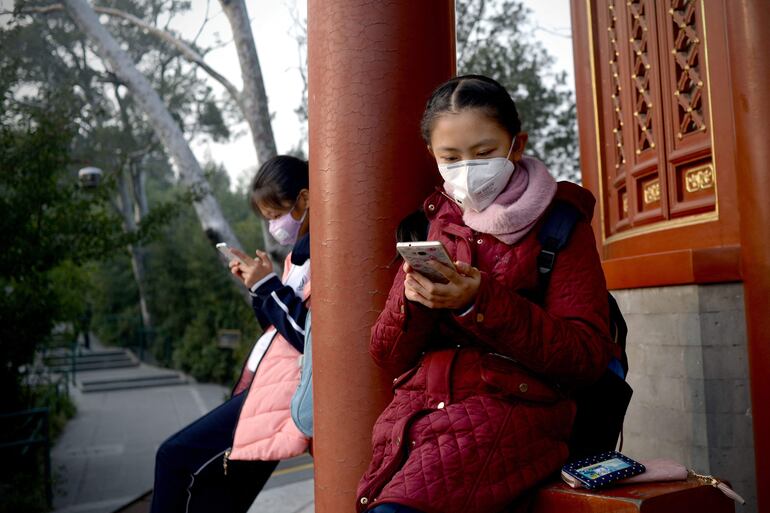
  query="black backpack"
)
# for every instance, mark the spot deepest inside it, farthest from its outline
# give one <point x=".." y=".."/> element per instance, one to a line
<point x="601" y="406"/>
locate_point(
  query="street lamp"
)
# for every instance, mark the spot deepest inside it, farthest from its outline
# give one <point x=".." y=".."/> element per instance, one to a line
<point x="90" y="177"/>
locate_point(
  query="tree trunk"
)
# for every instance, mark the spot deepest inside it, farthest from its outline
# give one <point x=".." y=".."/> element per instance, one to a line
<point x="206" y="206"/>
<point x="131" y="215"/>
<point x="253" y="96"/>
<point x="254" y="101"/>
<point x="138" y="260"/>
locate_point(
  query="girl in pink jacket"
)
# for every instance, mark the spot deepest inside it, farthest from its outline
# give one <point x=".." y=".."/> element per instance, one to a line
<point x="220" y="462"/>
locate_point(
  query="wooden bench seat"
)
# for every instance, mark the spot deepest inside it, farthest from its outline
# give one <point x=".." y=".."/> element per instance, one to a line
<point x="676" y="496"/>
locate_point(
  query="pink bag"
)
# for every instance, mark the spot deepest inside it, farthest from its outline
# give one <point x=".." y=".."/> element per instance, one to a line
<point x="658" y="470"/>
<point x="668" y="470"/>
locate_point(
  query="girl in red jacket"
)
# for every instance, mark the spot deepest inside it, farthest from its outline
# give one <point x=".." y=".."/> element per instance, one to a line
<point x="475" y="420"/>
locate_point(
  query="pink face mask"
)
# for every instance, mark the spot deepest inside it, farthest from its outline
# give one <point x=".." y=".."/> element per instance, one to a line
<point x="285" y="229"/>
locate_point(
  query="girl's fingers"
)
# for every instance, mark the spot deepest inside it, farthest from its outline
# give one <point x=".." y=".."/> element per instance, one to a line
<point x="424" y="284"/>
<point x="410" y="283"/>
<point x="448" y="273"/>
<point x="463" y="267"/>
<point x="413" y="295"/>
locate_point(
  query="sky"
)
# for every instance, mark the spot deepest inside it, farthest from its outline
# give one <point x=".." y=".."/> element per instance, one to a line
<point x="274" y="28"/>
<point x="273" y="25"/>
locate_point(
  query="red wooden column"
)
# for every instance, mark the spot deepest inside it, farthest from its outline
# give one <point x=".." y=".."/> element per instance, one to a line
<point x="747" y="22"/>
<point x="371" y="68"/>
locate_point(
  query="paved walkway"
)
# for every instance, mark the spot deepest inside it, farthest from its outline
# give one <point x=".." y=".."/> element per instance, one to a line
<point x="105" y="457"/>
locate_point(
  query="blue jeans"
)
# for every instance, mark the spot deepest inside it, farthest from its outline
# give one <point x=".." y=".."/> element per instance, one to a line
<point x="392" y="508"/>
<point x="189" y="474"/>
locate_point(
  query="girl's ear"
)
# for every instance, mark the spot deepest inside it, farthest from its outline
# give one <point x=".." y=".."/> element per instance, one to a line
<point x="430" y="150"/>
<point x="521" y="144"/>
<point x="304" y="199"/>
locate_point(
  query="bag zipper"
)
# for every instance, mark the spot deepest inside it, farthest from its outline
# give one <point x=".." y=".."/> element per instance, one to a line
<point x="719" y="485"/>
<point x="226" y="456"/>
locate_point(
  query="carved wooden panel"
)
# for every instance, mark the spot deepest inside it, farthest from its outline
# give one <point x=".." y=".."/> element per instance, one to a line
<point x="619" y="158"/>
<point x="655" y="112"/>
<point x="640" y="18"/>
<point x="686" y="86"/>
<point x="687" y="73"/>
<point x="616" y="111"/>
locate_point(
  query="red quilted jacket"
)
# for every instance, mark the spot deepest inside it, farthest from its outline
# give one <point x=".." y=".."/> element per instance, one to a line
<point x="472" y="423"/>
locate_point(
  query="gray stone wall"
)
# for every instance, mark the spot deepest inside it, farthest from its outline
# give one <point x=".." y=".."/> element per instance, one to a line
<point x="689" y="371"/>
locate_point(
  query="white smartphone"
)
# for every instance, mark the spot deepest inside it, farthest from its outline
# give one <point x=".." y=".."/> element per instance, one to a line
<point x="228" y="253"/>
<point x="418" y="254"/>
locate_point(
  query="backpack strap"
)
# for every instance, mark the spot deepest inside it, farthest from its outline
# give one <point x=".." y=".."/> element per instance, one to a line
<point x="553" y="236"/>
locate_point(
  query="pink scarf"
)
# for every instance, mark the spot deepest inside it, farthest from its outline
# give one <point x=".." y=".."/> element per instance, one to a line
<point x="513" y="213"/>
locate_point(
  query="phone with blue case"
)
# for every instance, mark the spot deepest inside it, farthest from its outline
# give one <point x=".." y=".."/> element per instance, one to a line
<point x="600" y="470"/>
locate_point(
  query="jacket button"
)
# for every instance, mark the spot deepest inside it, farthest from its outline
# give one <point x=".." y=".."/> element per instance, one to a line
<point x="523" y="387"/>
<point x="403" y="309"/>
<point x="431" y="207"/>
<point x="480" y="241"/>
<point x="398" y="440"/>
<point x="395" y="379"/>
<point x="480" y="317"/>
<point x="440" y="405"/>
<point x="364" y="501"/>
<point x="414" y="444"/>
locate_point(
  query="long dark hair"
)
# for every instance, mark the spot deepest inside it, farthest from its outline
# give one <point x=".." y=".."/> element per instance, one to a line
<point x="471" y="92"/>
<point x="278" y="182"/>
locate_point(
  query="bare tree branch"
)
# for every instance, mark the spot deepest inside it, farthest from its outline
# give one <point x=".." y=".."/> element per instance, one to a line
<point x="182" y="47"/>
<point x="206" y="19"/>
<point x="474" y="27"/>
<point x="206" y="206"/>
<point x="254" y="96"/>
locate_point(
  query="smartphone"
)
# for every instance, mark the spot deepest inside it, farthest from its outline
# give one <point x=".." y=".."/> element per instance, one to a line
<point x="600" y="470"/>
<point x="228" y="253"/>
<point x="418" y="254"/>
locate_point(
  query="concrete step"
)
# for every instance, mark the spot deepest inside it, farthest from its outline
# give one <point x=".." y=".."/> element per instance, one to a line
<point x="130" y="382"/>
<point x="96" y="360"/>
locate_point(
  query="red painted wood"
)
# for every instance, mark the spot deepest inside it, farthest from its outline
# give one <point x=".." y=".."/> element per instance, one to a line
<point x="372" y="66"/>
<point x="683" y="267"/>
<point x="671" y="497"/>
<point x="593" y="93"/>
<point x="747" y="22"/>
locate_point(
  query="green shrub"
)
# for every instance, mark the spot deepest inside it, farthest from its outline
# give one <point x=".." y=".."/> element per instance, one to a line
<point x="198" y="354"/>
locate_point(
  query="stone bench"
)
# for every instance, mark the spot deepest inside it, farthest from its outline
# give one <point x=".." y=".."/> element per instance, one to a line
<point x="676" y="496"/>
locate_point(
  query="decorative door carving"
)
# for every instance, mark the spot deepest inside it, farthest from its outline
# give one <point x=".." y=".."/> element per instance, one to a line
<point x="655" y="113"/>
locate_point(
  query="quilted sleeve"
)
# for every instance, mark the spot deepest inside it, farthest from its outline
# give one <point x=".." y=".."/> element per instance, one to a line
<point x="402" y="331"/>
<point x="568" y="338"/>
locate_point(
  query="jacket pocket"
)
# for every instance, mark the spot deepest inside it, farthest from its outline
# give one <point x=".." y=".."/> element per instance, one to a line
<point x="512" y="380"/>
<point x="403" y="378"/>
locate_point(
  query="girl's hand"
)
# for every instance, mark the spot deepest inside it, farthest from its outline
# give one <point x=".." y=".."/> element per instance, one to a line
<point x="252" y="269"/>
<point x="458" y="294"/>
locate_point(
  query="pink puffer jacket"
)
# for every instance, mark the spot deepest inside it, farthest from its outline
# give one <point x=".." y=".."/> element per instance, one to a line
<point x="265" y="429"/>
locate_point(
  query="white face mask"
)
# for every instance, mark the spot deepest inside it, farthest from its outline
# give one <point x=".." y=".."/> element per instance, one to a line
<point x="475" y="184"/>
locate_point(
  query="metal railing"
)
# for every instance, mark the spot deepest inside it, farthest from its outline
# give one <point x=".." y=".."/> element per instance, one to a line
<point x="32" y="429"/>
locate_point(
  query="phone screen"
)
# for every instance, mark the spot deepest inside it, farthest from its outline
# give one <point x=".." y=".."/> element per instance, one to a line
<point x="602" y="468"/>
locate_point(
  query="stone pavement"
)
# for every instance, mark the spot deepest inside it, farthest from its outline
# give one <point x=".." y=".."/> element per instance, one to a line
<point x="105" y="457"/>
